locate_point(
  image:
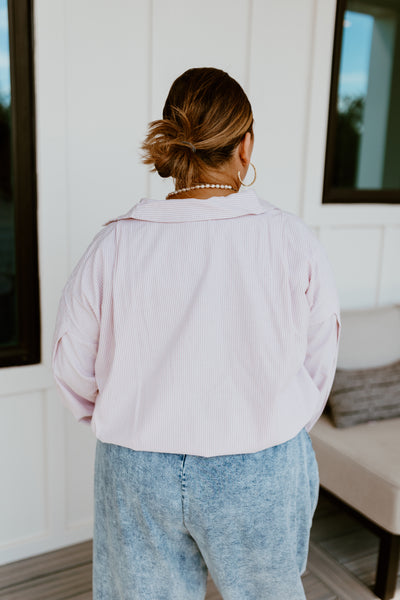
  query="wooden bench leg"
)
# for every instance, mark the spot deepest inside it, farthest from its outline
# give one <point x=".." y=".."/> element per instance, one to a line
<point x="388" y="566"/>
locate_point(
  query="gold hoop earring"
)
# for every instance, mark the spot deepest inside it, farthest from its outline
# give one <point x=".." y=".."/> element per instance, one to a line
<point x="254" y="178"/>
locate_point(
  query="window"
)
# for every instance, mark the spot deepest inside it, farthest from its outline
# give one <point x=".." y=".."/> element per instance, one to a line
<point x="363" y="144"/>
<point x="19" y="289"/>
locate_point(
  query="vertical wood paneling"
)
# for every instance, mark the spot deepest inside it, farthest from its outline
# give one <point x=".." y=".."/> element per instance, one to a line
<point x="106" y="111"/>
<point x="355" y="258"/>
<point x="390" y="278"/>
<point x="279" y="81"/>
<point x="318" y="107"/>
<point x="56" y="459"/>
<point x="22" y="466"/>
<point x="80" y="444"/>
<point x="52" y="176"/>
<point x="188" y="33"/>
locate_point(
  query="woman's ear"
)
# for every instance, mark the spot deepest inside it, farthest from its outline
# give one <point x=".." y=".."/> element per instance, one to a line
<point x="246" y="149"/>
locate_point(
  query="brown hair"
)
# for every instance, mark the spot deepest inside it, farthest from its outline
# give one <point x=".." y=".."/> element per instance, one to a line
<point x="205" y="117"/>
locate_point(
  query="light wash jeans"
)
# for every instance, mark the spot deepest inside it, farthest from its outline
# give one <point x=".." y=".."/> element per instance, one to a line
<point x="163" y="520"/>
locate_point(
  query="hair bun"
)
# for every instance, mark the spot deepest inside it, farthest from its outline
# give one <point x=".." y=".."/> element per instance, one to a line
<point x="166" y="149"/>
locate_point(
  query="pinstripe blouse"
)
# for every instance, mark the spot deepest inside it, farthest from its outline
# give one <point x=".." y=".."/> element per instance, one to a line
<point x="203" y="327"/>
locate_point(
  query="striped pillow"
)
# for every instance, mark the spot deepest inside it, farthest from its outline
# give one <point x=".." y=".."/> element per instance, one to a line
<point x="362" y="395"/>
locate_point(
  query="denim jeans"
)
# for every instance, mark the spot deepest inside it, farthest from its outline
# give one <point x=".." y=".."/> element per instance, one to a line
<point x="163" y="520"/>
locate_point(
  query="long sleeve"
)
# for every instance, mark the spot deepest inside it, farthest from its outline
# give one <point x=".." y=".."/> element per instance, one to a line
<point x="324" y="327"/>
<point x="321" y="359"/>
<point x="74" y="356"/>
<point x="77" y="331"/>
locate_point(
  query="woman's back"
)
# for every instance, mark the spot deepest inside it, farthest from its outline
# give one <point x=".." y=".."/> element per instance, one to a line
<point x="203" y="308"/>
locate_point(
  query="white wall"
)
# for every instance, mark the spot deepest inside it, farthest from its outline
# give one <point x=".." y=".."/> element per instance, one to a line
<point x="102" y="72"/>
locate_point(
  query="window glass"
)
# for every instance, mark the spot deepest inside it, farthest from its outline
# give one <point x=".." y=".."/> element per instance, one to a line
<point x="19" y="280"/>
<point x="366" y="152"/>
<point x="8" y="325"/>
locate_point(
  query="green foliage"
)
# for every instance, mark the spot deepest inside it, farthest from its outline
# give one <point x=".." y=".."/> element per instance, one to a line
<point x="350" y="116"/>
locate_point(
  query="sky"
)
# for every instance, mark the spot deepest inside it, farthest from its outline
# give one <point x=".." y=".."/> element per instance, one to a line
<point x="356" y="47"/>
<point x="4" y="55"/>
<point x="354" y="63"/>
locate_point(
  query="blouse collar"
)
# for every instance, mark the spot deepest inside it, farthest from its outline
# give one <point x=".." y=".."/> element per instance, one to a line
<point x="194" y="209"/>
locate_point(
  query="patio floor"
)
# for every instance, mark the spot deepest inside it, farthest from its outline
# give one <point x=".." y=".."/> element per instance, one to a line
<point x="341" y="566"/>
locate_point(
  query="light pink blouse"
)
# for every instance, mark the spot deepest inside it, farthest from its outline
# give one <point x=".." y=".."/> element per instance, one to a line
<point x="203" y="327"/>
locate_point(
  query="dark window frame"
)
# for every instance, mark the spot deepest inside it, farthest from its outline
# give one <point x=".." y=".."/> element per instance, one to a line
<point x="330" y="194"/>
<point x="27" y="349"/>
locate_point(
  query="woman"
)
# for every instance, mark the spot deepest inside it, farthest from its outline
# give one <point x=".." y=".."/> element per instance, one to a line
<point x="198" y="335"/>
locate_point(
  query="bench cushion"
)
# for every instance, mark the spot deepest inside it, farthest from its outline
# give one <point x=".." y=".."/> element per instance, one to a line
<point x="361" y="466"/>
<point x="370" y="337"/>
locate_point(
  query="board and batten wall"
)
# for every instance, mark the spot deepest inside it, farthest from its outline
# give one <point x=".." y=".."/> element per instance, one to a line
<point x="103" y="70"/>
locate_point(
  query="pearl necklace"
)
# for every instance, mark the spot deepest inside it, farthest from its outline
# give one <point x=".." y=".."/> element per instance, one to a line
<point x="200" y="186"/>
